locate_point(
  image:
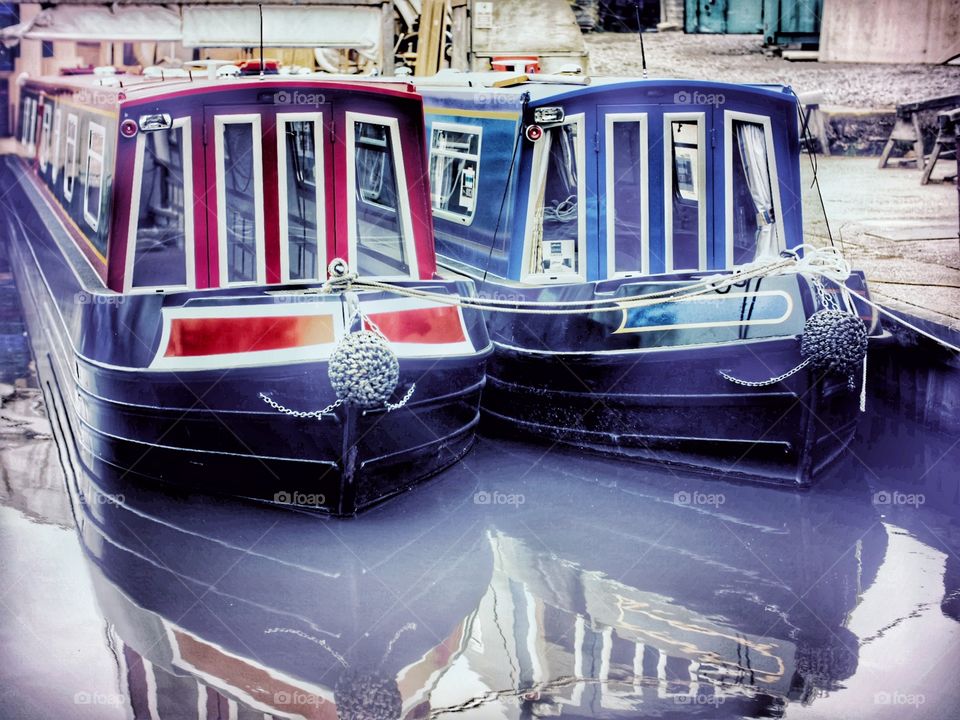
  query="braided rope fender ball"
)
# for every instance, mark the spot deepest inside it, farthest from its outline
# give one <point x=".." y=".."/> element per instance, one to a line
<point x="367" y="696"/>
<point x="364" y="370"/>
<point x="835" y="340"/>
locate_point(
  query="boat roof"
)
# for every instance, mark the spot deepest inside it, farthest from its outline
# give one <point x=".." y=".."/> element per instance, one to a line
<point x="542" y="88"/>
<point x="112" y="90"/>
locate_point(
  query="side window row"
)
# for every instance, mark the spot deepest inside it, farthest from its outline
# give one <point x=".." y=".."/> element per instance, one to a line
<point x="59" y="151"/>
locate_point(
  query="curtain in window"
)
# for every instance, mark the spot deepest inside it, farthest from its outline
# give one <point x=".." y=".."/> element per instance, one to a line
<point x="756" y="167"/>
<point x="541" y="163"/>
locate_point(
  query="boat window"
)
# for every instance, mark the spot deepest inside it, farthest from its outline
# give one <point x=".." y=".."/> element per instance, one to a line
<point x="381" y="246"/>
<point x="557" y="189"/>
<point x="626" y="196"/>
<point x="751" y="201"/>
<point x="93" y="175"/>
<point x="28" y="131"/>
<point x="165" y="208"/>
<point x="302" y="172"/>
<point x="240" y="197"/>
<point x="686" y="196"/>
<point x="57" y="138"/>
<point x="454" y="170"/>
<point x="70" y="165"/>
<point x="45" y="135"/>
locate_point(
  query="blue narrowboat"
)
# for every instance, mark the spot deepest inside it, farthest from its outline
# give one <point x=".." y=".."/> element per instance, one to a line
<point x="640" y="243"/>
<point x="171" y="239"/>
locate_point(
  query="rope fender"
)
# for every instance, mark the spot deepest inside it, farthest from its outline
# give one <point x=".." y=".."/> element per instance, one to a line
<point x="364" y="369"/>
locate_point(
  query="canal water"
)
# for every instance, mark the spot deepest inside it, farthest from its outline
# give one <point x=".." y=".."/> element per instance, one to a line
<point x="528" y="581"/>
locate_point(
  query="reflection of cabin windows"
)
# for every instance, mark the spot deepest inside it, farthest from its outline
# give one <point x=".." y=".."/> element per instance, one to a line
<point x="557" y="196"/>
<point x="70" y="162"/>
<point x="752" y="197"/>
<point x="93" y="175"/>
<point x="302" y="215"/>
<point x="686" y="197"/>
<point x="627" y="221"/>
<point x="454" y="171"/>
<point x="57" y="139"/>
<point x="45" y="135"/>
<point x="163" y="194"/>
<point x="382" y="234"/>
<point x="239" y="195"/>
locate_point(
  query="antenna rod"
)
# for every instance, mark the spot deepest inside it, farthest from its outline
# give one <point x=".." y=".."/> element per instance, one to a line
<point x="260" y="6"/>
<point x="643" y="55"/>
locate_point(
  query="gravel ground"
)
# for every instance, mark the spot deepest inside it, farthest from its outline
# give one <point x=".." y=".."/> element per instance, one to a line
<point x="739" y="58"/>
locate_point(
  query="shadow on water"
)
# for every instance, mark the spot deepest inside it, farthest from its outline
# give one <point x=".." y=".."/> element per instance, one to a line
<point x="528" y="581"/>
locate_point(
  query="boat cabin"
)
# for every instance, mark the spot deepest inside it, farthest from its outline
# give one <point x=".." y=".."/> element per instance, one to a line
<point x="169" y="184"/>
<point x="553" y="179"/>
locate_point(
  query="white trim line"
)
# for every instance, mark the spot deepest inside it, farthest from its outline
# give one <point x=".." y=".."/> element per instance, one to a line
<point x="399" y="172"/>
<point x="701" y="180"/>
<point x="728" y="117"/>
<point x="188" y="227"/>
<point x="57" y="137"/>
<point x="541" y="278"/>
<point x="219" y="123"/>
<point x="610" y="182"/>
<point x="71" y="164"/>
<point x="321" y="175"/>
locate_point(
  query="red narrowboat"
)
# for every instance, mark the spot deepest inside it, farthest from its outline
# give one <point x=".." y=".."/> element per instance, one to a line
<point x="171" y="239"/>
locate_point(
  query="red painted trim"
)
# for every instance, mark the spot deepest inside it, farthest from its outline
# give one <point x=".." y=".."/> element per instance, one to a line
<point x="121" y="208"/>
<point x="432" y="326"/>
<point x="210" y="88"/>
<point x="201" y="255"/>
<point x="209" y="250"/>
<point x="193" y="337"/>
<point x="341" y="239"/>
<point x="271" y="195"/>
<point x="412" y="139"/>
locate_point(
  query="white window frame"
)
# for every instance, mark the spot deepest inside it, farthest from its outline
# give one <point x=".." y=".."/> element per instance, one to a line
<point x="220" y="122"/>
<point x="29" y="134"/>
<point x="399" y="171"/>
<point x="93" y="129"/>
<point x="57" y="140"/>
<point x="639" y="119"/>
<point x="528" y="275"/>
<point x="45" y="134"/>
<point x="318" y="134"/>
<point x="728" y="118"/>
<point x="188" y="226"/>
<point x="668" y="119"/>
<point x="71" y="163"/>
<point x="434" y="151"/>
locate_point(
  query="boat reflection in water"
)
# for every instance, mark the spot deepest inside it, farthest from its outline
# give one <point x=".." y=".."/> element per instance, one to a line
<point x="597" y="593"/>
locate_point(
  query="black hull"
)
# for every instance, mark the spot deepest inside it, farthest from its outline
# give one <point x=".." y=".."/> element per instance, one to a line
<point x="208" y="430"/>
<point x="671" y="407"/>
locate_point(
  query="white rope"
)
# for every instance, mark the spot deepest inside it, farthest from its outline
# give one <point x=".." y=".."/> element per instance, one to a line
<point x="903" y="322"/>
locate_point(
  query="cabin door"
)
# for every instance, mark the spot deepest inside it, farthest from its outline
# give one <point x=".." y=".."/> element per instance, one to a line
<point x="270" y="214"/>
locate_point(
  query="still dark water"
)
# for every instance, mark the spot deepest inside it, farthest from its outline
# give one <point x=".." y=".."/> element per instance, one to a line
<point x="528" y="581"/>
